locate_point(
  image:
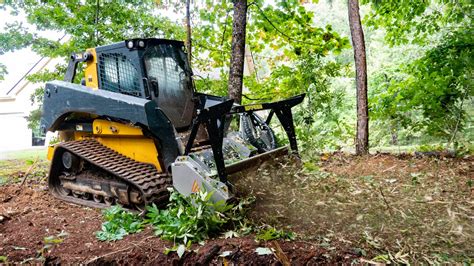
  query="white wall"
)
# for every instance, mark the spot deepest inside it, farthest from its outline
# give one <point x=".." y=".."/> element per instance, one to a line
<point x="14" y="109"/>
<point x="14" y="132"/>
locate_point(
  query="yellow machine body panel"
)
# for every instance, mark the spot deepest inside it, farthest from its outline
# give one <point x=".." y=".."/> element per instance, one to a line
<point x="125" y="139"/>
<point x="92" y="80"/>
<point x="108" y="128"/>
<point x="139" y="149"/>
<point x="50" y="154"/>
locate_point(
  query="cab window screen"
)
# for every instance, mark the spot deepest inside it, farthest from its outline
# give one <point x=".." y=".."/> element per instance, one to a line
<point x="118" y="74"/>
<point x="165" y="63"/>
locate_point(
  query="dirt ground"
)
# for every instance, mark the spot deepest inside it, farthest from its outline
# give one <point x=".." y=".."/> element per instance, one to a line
<point x="40" y="228"/>
<point x="34" y="218"/>
<point x="37" y="228"/>
<point x="343" y="208"/>
<point x="390" y="208"/>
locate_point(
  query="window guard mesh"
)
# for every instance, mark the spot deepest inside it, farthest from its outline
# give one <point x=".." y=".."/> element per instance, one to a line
<point x="118" y="74"/>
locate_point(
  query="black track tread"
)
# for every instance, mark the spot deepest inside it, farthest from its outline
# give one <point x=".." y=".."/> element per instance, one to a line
<point x="144" y="177"/>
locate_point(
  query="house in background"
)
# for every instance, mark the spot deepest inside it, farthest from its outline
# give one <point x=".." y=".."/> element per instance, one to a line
<point x="15" y="90"/>
<point x="16" y="105"/>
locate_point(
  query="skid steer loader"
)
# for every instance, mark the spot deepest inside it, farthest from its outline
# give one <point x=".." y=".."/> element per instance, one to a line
<point x="135" y="126"/>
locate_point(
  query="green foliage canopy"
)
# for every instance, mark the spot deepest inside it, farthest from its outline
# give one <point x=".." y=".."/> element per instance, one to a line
<point x="428" y="93"/>
<point x="277" y="36"/>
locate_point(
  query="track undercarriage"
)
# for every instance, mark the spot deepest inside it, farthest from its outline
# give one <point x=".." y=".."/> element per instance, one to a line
<point x="86" y="172"/>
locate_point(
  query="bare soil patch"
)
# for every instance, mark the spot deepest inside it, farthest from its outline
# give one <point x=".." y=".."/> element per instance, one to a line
<point x="38" y="228"/>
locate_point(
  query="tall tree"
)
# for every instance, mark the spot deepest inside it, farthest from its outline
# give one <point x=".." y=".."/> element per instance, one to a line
<point x="237" y="58"/>
<point x="358" y="43"/>
<point x="188" y="31"/>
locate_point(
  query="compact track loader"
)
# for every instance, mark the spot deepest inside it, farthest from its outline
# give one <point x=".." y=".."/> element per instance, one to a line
<point x="136" y="126"/>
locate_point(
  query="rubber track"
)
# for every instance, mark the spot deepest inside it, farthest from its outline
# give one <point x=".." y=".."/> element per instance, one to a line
<point x="152" y="184"/>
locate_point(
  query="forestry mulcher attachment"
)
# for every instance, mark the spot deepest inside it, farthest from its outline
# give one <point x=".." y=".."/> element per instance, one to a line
<point x="135" y="126"/>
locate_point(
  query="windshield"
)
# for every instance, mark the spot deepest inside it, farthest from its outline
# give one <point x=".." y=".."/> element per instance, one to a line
<point x="170" y="82"/>
<point x="166" y="63"/>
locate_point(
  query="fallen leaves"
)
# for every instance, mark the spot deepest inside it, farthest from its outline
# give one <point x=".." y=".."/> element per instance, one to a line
<point x="263" y="251"/>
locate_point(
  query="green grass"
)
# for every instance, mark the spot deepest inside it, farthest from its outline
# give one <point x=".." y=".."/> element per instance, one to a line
<point x="15" y="164"/>
<point x="395" y="149"/>
<point x="13" y="171"/>
<point x="30" y="154"/>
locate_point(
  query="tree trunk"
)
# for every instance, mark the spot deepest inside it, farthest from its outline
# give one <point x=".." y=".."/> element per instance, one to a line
<point x="188" y="31"/>
<point x="237" y="58"/>
<point x="358" y="43"/>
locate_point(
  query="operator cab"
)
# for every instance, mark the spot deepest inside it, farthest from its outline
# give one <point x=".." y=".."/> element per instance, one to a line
<point x="154" y="69"/>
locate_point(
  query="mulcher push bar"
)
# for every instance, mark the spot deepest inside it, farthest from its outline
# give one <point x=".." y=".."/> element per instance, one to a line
<point x="214" y="118"/>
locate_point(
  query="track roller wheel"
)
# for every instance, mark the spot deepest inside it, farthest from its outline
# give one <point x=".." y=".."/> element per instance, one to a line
<point x="71" y="162"/>
<point x="63" y="191"/>
<point x="98" y="198"/>
<point x="109" y="201"/>
<point x="86" y="196"/>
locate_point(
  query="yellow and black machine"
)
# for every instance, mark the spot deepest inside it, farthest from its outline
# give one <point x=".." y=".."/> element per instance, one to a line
<point x="135" y="126"/>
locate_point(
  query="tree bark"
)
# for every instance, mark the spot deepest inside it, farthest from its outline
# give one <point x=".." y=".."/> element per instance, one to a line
<point x="358" y="43"/>
<point x="188" y="31"/>
<point x="237" y="58"/>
